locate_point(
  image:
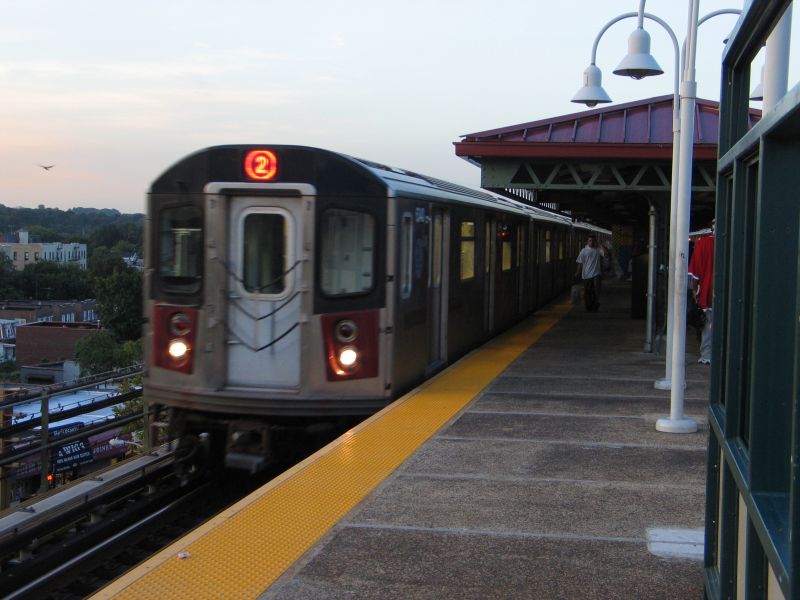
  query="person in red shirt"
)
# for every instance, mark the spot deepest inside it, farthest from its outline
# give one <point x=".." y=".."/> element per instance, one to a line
<point x="701" y="278"/>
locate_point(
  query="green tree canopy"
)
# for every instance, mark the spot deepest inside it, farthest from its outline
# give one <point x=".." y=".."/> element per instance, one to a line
<point x="96" y="353"/>
<point x="45" y="234"/>
<point x="46" y="280"/>
<point x="8" y="279"/>
<point x="103" y="262"/>
<point x="119" y="302"/>
<point x="113" y="233"/>
<point x="101" y="353"/>
<point x="74" y="225"/>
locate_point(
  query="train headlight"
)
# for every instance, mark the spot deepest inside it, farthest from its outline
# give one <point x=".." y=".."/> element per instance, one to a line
<point x="348" y="357"/>
<point x="346" y="331"/>
<point x="178" y="349"/>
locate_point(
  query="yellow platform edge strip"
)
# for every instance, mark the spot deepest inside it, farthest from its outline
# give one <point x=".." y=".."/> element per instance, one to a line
<point x="244" y="549"/>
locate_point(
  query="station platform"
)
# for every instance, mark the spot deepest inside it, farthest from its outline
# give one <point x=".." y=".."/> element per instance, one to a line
<point x="529" y="469"/>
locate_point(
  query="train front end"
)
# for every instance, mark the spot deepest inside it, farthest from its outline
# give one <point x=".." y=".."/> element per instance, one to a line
<point x="264" y="294"/>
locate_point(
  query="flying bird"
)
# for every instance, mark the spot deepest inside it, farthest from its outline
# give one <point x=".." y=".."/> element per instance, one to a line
<point x="47" y="167"/>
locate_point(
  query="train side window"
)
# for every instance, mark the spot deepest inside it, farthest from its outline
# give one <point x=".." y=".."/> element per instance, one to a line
<point x="548" y="242"/>
<point x="487" y="251"/>
<point x="347" y="252"/>
<point x="560" y="249"/>
<point x="467" y="250"/>
<point x="406" y="255"/>
<point x="180" y="248"/>
<point x="264" y="253"/>
<point x="507" y="253"/>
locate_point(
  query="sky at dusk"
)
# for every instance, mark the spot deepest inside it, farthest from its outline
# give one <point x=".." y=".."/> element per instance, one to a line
<point x="113" y="93"/>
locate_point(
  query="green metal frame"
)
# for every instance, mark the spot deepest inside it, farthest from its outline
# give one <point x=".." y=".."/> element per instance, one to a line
<point x="753" y="489"/>
<point x="594" y="175"/>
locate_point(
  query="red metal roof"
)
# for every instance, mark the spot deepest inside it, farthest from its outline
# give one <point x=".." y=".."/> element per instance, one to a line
<point x="641" y="129"/>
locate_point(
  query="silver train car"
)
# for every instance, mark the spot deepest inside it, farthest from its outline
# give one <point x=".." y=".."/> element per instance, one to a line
<point x="286" y="286"/>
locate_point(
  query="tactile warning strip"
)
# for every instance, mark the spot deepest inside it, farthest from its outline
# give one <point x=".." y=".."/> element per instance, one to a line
<point x="242" y="551"/>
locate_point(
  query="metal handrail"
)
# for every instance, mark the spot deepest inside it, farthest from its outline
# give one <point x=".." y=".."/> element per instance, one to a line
<point x="66" y="413"/>
<point x="8" y="458"/>
<point x="43" y="442"/>
<point x="20" y="396"/>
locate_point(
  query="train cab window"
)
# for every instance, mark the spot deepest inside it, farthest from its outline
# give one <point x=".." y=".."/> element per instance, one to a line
<point x="264" y="253"/>
<point x="467" y="250"/>
<point x="347" y="252"/>
<point x="180" y="248"/>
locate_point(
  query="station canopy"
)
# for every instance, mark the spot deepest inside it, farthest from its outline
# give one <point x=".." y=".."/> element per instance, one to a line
<point x="604" y="165"/>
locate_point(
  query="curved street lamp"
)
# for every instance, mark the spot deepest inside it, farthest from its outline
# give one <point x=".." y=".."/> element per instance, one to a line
<point x="638" y="64"/>
<point x="594" y="94"/>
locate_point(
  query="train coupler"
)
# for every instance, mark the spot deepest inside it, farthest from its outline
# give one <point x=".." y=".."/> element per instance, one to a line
<point x="248" y="446"/>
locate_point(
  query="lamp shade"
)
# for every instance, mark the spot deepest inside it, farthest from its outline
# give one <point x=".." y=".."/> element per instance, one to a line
<point x="592" y="93"/>
<point x="638" y="63"/>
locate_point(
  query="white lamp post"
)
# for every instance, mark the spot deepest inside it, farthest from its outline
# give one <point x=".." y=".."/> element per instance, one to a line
<point x="592" y="93"/>
<point x="637" y="64"/>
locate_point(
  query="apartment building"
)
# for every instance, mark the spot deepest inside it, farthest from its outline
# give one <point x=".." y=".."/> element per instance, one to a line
<point x="25" y="252"/>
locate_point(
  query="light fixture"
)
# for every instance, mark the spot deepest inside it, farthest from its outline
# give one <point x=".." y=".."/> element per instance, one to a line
<point x="638" y="63"/>
<point x="177" y="349"/>
<point x="592" y="92"/>
<point x="348" y="357"/>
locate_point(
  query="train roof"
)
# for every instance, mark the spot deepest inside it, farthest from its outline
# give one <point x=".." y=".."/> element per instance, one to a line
<point x="333" y="172"/>
<point x="408" y="183"/>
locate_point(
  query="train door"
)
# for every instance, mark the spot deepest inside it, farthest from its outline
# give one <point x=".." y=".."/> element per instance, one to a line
<point x="438" y="277"/>
<point x="263" y="289"/>
<point x="490" y="272"/>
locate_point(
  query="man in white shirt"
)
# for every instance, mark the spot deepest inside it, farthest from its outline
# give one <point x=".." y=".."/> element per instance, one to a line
<point x="590" y="269"/>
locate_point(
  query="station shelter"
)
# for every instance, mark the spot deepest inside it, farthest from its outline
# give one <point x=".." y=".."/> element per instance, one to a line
<point x="610" y="166"/>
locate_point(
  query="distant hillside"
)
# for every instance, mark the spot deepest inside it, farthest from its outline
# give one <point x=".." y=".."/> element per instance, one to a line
<point x="74" y="224"/>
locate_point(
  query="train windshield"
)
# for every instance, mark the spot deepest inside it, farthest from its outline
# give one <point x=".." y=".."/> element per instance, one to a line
<point x="264" y="260"/>
<point x="348" y="246"/>
<point x="181" y="248"/>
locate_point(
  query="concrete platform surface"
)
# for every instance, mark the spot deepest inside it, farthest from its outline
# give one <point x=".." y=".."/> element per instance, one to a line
<point x="552" y="484"/>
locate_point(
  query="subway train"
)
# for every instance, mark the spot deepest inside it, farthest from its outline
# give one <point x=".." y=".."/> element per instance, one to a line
<point x="288" y="286"/>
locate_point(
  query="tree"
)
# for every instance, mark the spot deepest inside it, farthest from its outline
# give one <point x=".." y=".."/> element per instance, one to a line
<point x="9" y="289"/>
<point x="96" y="353"/>
<point x="47" y="280"/>
<point x="119" y="303"/>
<point x="101" y="353"/>
<point x="103" y="262"/>
<point x="130" y="353"/>
<point x="45" y="234"/>
<point x="111" y="234"/>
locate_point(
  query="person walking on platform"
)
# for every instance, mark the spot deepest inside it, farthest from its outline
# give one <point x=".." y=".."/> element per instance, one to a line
<point x="590" y="270"/>
<point x="701" y="278"/>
